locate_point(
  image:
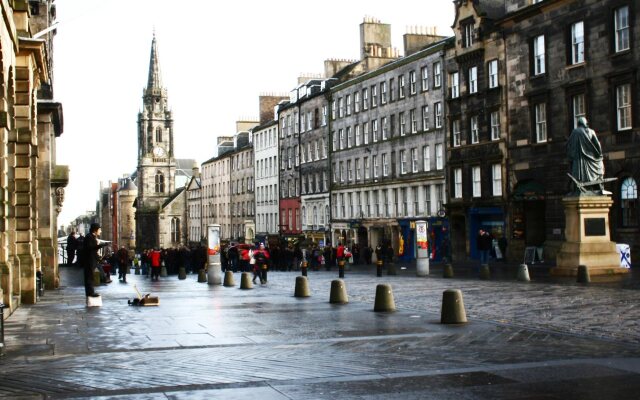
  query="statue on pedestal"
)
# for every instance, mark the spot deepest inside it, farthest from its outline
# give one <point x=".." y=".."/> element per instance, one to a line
<point x="585" y="158"/>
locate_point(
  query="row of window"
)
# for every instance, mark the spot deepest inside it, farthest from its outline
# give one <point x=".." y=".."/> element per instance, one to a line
<point x="371" y="97"/>
<point x="238" y="209"/>
<point x="576" y="52"/>
<point x="472" y="79"/>
<point x="265" y="139"/>
<point x="266" y="167"/>
<point x="286" y="219"/>
<point x="294" y="156"/>
<point x="412" y="201"/>
<point x="408" y="160"/>
<point x="266" y="193"/>
<point x="267" y="223"/>
<point x="476" y="181"/>
<point x="312" y="183"/>
<point x="385" y="128"/>
<point x="316" y="218"/>
<point x="474" y="129"/>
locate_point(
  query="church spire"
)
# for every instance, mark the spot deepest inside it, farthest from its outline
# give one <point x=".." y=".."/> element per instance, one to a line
<point x="155" y="78"/>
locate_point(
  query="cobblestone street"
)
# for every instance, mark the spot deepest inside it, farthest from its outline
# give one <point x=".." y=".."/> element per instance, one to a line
<point x="538" y="340"/>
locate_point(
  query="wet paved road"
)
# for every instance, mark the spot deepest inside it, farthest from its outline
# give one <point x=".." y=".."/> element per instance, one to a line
<point x="524" y="341"/>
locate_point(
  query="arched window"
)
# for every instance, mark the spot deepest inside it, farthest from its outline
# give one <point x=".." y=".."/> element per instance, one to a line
<point x="175" y="230"/>
<point x="326" y="215"/>
<point x="159" y="183"/>
<point x="315" y="217"/>
<point x="304" y="215"/>
<point x="629" y="202"/>
<point x="158" y="134"/>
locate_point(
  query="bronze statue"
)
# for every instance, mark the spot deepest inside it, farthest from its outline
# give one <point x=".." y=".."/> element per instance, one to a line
<point x="585" y="158"/>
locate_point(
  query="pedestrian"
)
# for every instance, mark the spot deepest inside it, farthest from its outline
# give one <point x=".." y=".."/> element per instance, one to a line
<point x="355" y="250"/>
<point x="340" y="252"/>
<point x="326" y="255"/>
<point x="367" y="252"/>
<point x="155" y="259"/>
<point x="261" y="257"/>
<point x="502" y="245"/>
<point x="72" y="245"/>
<point x="483" y="244"/>
<point x="90" y="259"/>
<point x="123" y="263"/>
<point x="379" y="252"/>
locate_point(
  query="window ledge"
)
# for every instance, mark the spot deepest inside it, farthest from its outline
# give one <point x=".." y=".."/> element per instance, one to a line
<point x="576" y="66"/>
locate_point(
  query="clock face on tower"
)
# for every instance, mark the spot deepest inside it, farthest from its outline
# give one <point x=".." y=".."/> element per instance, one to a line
<point x="158" y="151"/>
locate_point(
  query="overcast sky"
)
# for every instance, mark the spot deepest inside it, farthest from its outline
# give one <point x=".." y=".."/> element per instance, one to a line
<point x="216" y="59"/>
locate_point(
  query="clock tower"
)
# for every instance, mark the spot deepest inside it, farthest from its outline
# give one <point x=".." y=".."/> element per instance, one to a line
<point x="156" y="161"/>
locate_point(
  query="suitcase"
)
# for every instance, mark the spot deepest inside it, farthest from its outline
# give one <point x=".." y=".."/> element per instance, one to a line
<point x="146" y="300"/>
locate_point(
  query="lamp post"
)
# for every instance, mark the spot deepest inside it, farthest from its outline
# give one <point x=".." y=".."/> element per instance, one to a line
<point x="214" y="275"/>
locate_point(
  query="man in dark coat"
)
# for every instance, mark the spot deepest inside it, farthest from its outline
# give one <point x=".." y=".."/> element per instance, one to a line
<point x="72" y="245"/>
<point x="89" y="258"/>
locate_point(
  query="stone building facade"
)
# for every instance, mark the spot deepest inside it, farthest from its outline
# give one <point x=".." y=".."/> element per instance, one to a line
<point x="194" y="208"/>
<point x="265" y="145"/>
<point x="314" y="161"/>
<point x="476" y="117"/>
<point x="566" y="59"/>
<point x="242" y="189"/>
<point x="387" y="150"/>
<point x="126" y="223"/>
<point x="31" y="184"/>
<point x="290" y="226"/>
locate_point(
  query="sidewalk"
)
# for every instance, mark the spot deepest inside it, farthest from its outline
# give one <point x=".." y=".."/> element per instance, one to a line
<point x="524" y="341"/>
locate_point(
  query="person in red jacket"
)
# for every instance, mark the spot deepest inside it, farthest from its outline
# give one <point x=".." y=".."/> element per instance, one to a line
<point x="155" y="264"/>
<point x="261" y="255"/>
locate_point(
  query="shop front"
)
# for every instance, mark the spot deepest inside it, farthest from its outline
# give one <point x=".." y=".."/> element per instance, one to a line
<point x="438" y="239"/>
<point x="490" y="219"/>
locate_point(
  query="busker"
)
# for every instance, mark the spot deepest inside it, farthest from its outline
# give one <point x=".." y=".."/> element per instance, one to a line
<point x="90" y="259"/>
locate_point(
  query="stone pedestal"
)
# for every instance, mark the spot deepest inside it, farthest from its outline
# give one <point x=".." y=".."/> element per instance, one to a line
<point x="587" y="241"/>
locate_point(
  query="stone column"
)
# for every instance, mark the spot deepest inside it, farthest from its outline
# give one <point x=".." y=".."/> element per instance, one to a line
<point x="25" y="214"/>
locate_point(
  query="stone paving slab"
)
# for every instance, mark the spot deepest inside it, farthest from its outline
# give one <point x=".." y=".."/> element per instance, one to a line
<point x="213" y="342"/>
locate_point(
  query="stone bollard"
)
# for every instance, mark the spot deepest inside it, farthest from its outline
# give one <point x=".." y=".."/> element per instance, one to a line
<point x="302" y="287"/>
<point x="485" y="272"/>
<point x="96" y="278"/>
<point x="163" y="272"/>
<point x="338" y="292"/>
<point x="583" y="274"/>
<point x="228" y="279"/>
<point x="452" y="307"/>
<point x="245" y="281"/>
<point x="182" y="273"/>
<point x="202" y="276"/>
<point x="447" y="272"/>
<point x="384" y="298"/>
<point x="341" y="269"/>
<point x="303" y="268"/>
<point x="523" y="273"/>
<point x="379" y="265"/>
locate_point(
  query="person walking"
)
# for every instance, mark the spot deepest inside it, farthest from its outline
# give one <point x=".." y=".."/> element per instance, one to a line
<point x="72" y="245"/>
<point x="483" y="244"/>
<point x="123" y="264"/>
<point x="261" y="257"/>
<point x="90" y="259"/>
<point x="155" y="257"/>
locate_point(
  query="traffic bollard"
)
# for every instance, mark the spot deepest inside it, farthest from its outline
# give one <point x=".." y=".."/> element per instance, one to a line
<point x="379" y="264"/>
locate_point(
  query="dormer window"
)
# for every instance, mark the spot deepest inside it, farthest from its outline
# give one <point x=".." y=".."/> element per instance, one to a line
<point x="467" y="34"/>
